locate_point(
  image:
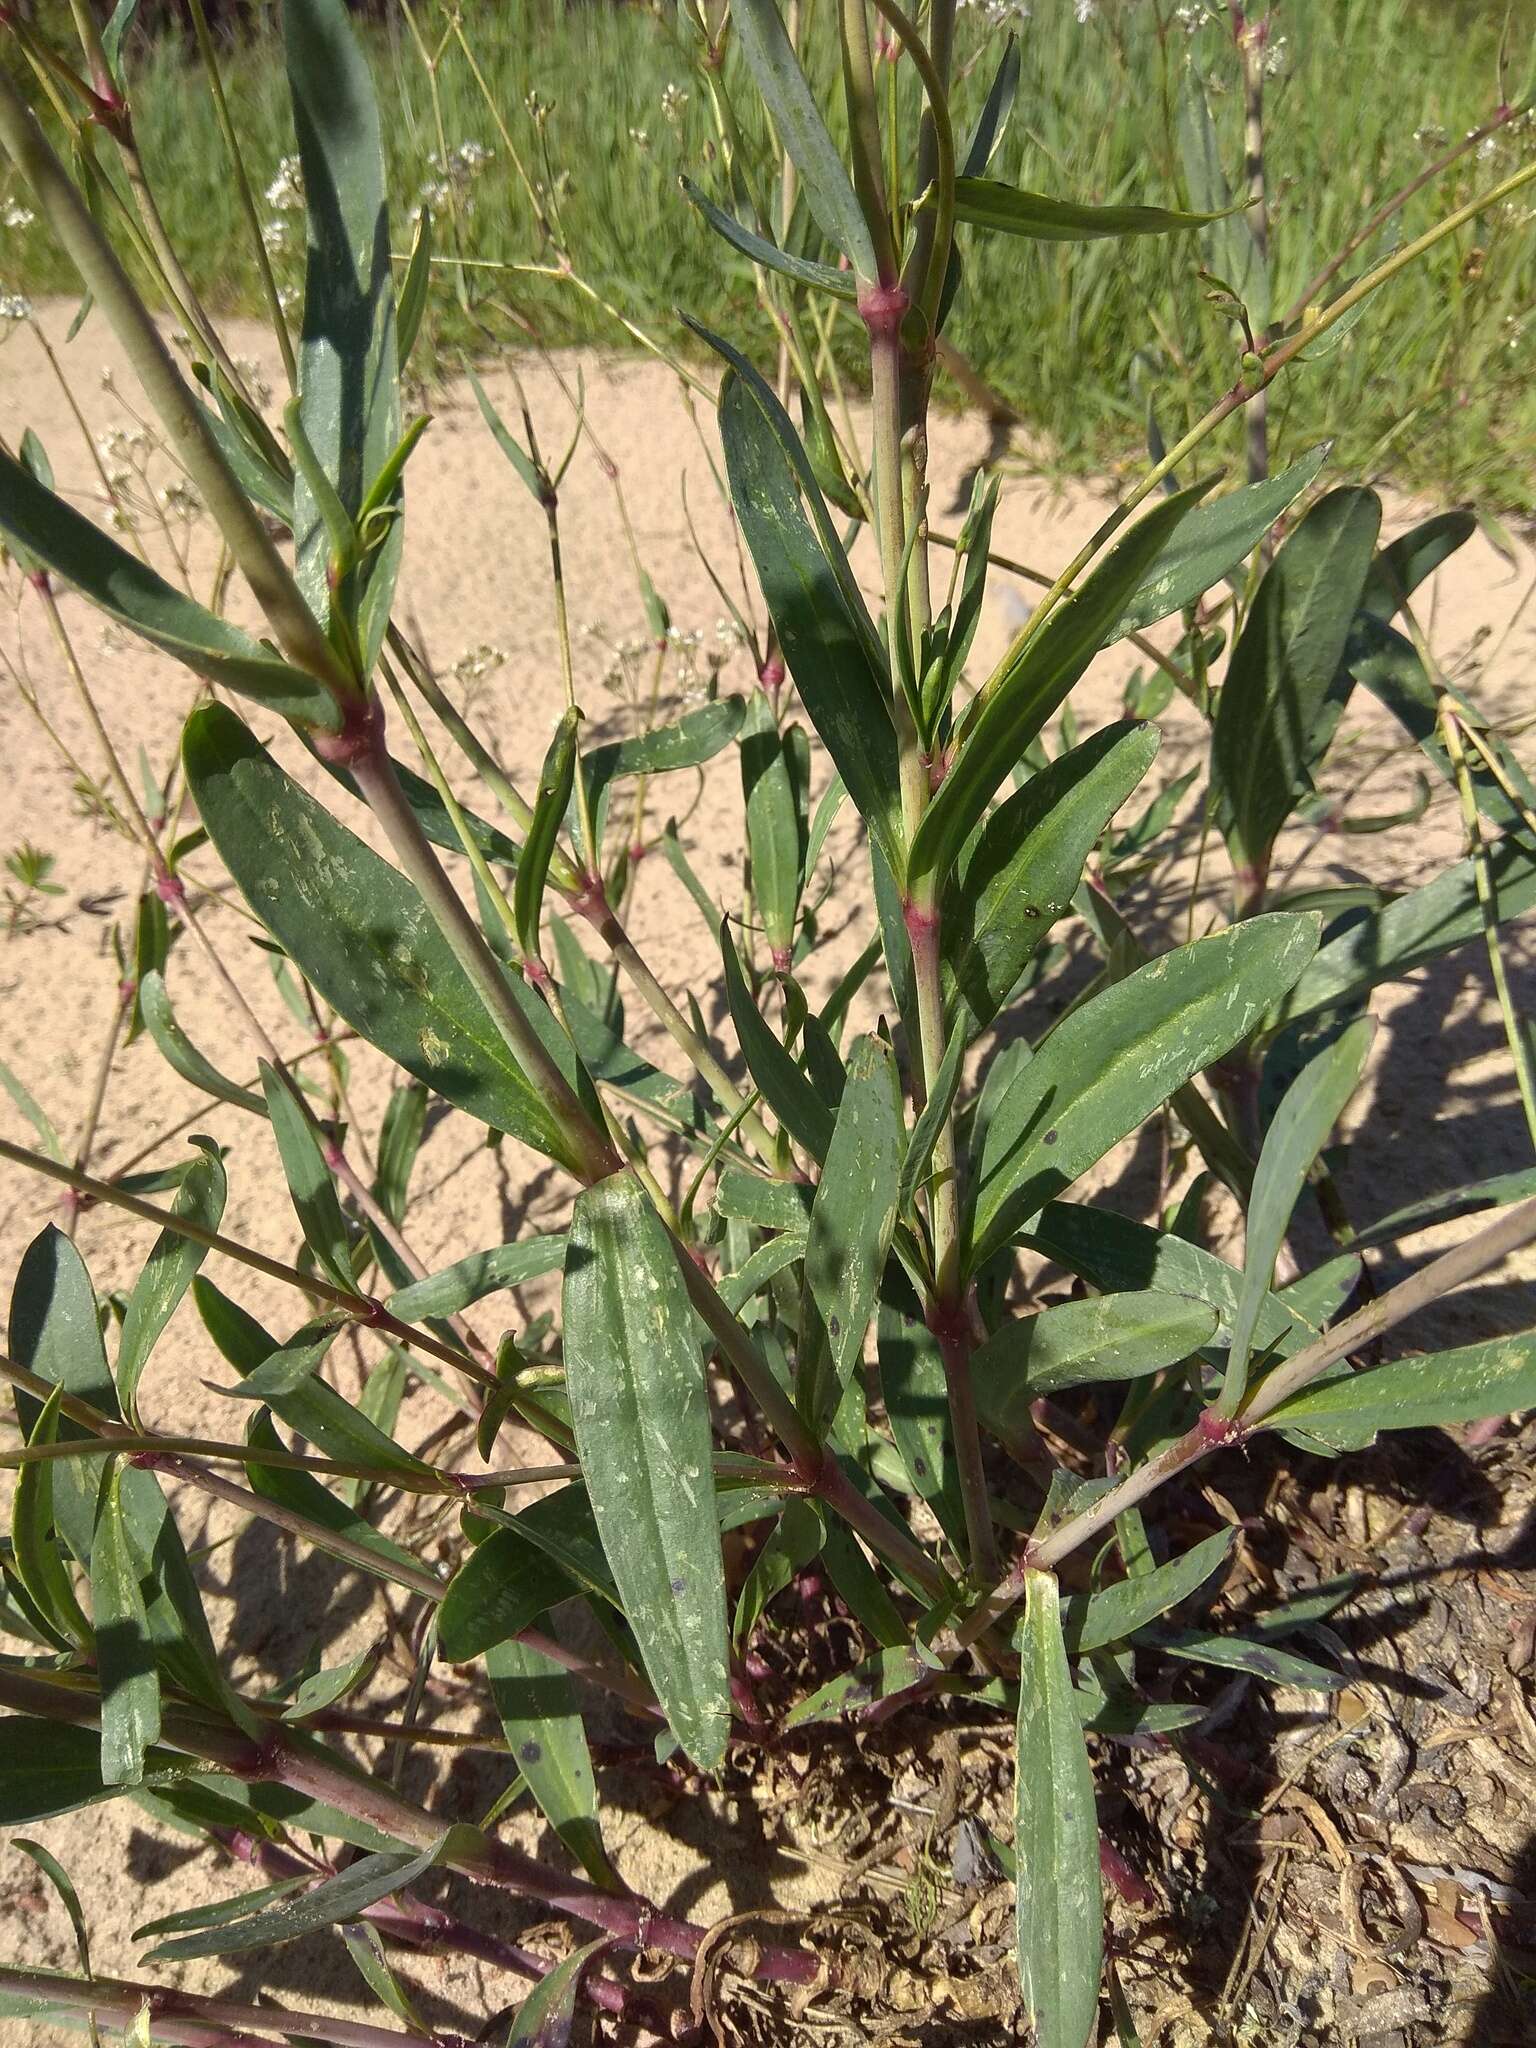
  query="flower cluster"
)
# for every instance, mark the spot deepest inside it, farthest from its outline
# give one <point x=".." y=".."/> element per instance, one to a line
<point x="13" y="215"/>
<point x="13" y="306"/>
<point x="673" y="101"/>
<point x="286" y="191"/>
<point x="452" y="176"/>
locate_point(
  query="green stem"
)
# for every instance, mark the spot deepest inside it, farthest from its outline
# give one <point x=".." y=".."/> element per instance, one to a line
<point x="294" y="626"/>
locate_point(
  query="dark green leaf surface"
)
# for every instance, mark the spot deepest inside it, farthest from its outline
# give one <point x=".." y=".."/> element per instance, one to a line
<point x="130" y="592"/>
<point x="544" y="2018"/>
<point x="361" y="934"/>
<point x="1090" y="1620"/>
<point x="182" y="1055"/>
<point x="774" y="1070"/>
<point x="535" y="1702"/>
<point x="801" y="131"/>
<point x="344" y="1897"/>
<point x="1437" y="1391"/>
<point x="125" y="1661"/>
<point x="825" y="277"/>
<point x="168" y="1271"/>
<point x="1285" y="659"/>
<point x="49" y="1767"/>
<point x="478" y="1274"/>
<point x="504" y="1586"/>
<point x="348" y="377"/>
<point x="640" y="1411"/>
<point x="1005" y="210"/>
<point x="852" y="1217"/>
<point x="1111" y="1337"/>
<point x="1022" y="870"/>
<point x="309" y="1181"/>
<point x="1032" y="681"/>
<point x="1114" y="1060"/>
<point x="1214" y="540"/>
<point x="1056" y="1836"/>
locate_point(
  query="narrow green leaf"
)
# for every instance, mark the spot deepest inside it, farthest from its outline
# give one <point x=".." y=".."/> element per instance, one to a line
<point x="1090" y="1620"/>
<point x="1284" y="661"/>
<point x="358" y="931"/>
<point x="535" y="1703"/>
<point x="1033" y="680"/>
<point x="220" y="1911"/>
<point x="790" y="101"/>
<point x="30" y="1109"/>
<point x="825" y="277"/>
<point x="796" y="1539"/>
<point x="55" y="1333"/>
<point x="37" y="1557"/>
<point x="1298" y="1131"/>
<point x="471" y="1278"/>
<point x="348" y="375"/>
<point x="879" y="1677"/>
<point x="544" y="2018"/>
<point x="829" y="644"/>
<point x="130" y="592"/>
<point x="168" y="1271"/>
<point x="1056" y="1836"/>
<point x="775" y="1204"/>
<point x="774" y="1070"/>
<point x="323" y="1688"/>
<point x="640" y="1411"/>
<point x="1118" y="1057"/>
<point x="344" y="1897"/>
<point x="852" y="1218"/>
<point x="1006" y="210"/>
<point x="505" y="1585"/>
<point x="49" y="1767"/>
<point x="1109" y="1338"/>
<point x="125" y="1660"/>
<point x="1022" y="870"/>
<point x="1260" y="1659"/>
<point x="1434" y="1392"/>
<point x="687" y="742"/>
<point x="411" y="300"/>
<point x="309" y="1181"/>
<point x="916" y="1396"/>
<point x="556" y="780"/>
<point x="925" y="1132"/>
<point x="1418" y="927"/>
<point x="754" y="1273"/>
<point x="1214" y="540"/>
<point x="400" y="1136"/>
<point x="773" y="827"/>
<point x="1229" y="246"/>
<point x="182" y="1056"/>
<point x="316" y="1411"/>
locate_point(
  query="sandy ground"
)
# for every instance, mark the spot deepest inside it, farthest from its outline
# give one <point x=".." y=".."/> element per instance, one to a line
<point x="476" y="572"/>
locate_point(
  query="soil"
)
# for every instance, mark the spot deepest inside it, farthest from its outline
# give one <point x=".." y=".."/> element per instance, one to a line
<point x="1310" y="1868"/>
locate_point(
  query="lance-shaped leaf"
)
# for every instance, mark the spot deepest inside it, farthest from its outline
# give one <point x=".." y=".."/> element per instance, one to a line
<point x="1298" y="1131"/>
<point x="471" y="1278"/>
<point x="825" y="277"/>
<point x="688" y="742"/>
<point x="634" y="1374"/>
<point x="773" y="826"/>
<point x="788" y="97"/>
<point x="1214" y="540"/>
<point x="304" y="1494"/>
<point x="182" y="1055"/>
<point x="504" y="1586"/>
<point x="1117" y="1058"/>
<point x="1230" y="246"/>
<point x="916" y="1396"/>
<point x="774" y="1070"/>
<point x="1284" y="661"/>
<point x="1418" y="927"/>
<point x="168" y="1270"/>
<point x="49" y="1767"/>
<point x="348" y="377"/>
<point x="411" y="299"/>
<point x="556" y="780"/>
<point x="1090" y="1620"/>
<point x="852" y="1217"/>
<point x="545" y="2017"/>
<point x="32" y="517"/>
<point x="1022" y="870"/>
<point x="1056" y="1835"/>
<point x="343" y="1897"/>
<point x="39" y="1560"/>
<point x="125" y="1658"/>
<point x="361" y="934"/>
<point x="54" y="1332"/>
<point x="829" y="644"/>
<point x="316" y="1411"/>
<point x="1437" y="1391"/>
<point x="1006" y="210"/>
<point x="1032" y="681"/>
<point x="309" y="1181"/>
<point x="535" y="1703"/>
<point x="1112" y="1337"/>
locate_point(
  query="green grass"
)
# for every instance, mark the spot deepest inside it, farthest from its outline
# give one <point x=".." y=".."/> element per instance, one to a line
<point x="1433" y="388"/>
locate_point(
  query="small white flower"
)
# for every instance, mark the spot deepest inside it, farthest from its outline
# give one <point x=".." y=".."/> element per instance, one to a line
<point x="1276" y="57"/>
<point x="274" y="235"/>
<point x="180" y="498"/>
<point x="286" y="191"/>
<point x="673" y="101"/>
<point x="16" y="216"/>
<point x="14" y="307"/>
<point x="639" y="138"/>
<point x="1084" y="10"/>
